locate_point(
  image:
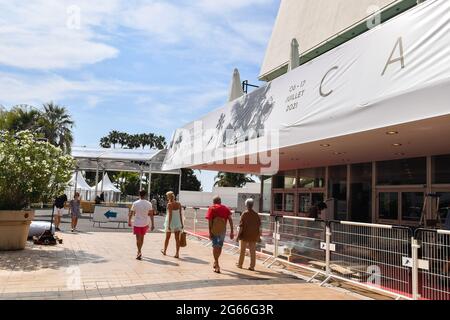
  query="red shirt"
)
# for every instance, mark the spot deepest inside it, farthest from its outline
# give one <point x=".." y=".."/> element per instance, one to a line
<point x="218" y="210"/>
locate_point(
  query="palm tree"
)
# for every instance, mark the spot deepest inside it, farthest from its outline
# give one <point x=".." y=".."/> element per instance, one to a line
<point x="105" y="143"/>
<point x="123" y="139"/>
<point x="133" y="141"/>
<point x="144" y="140"/>
<point x="56" y="125"/>
<point x="113" y="138"/>
<point x="160" y="142"/>
<point x="232" y="180"/>
<point x="21" y="117"/>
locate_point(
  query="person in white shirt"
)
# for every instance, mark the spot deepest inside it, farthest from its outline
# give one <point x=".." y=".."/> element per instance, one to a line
<point x="142" y="210"/>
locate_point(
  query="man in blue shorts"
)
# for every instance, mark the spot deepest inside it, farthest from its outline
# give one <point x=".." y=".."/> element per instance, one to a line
<point x="218" y="215"/>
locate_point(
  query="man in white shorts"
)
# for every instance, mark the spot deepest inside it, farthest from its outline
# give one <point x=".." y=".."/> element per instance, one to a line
<point x="59" y="210"/>
<point x="142" y="210"/>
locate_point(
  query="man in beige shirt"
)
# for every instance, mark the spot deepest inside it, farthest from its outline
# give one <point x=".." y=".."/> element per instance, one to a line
<point x="249" y="234"/>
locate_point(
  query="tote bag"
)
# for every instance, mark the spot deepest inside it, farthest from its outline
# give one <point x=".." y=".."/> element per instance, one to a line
<point x="183" y="242"/>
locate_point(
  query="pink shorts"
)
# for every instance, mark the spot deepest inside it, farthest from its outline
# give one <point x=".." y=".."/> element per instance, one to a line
<point x="140" y="231"/>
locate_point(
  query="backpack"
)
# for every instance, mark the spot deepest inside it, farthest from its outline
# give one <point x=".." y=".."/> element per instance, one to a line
<point x="218" y="226"/>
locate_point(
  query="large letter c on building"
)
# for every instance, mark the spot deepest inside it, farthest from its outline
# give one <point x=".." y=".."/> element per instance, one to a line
<point x="323" y="80"/>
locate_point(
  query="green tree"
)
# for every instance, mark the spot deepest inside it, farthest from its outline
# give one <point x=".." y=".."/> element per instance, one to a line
<point x="56" y="125"/>
<point x="105" y="143"/>
<point x="123" y="139"/>
<point x="113" y="138"/>
<point x="20" y="118"/>
<point x="189" y="181"/>
<point x="160" y="142"/>
<point x="30" y="170"/>
<point x="236" y="180"/>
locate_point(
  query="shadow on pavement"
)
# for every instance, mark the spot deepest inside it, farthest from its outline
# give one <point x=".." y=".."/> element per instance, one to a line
<point x="29" y="260"/>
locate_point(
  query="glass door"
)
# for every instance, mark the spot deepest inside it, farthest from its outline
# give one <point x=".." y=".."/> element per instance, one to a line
<point x="308" y="199"/>
<point x="400" y="206"/>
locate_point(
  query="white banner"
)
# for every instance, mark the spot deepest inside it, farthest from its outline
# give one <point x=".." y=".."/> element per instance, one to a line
<point x="385" y="77"/>
<point x="110" y="214"/>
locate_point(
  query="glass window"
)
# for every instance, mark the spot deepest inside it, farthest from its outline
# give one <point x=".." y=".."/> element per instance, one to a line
<point x="402" y="172"/>
<point x="267" y="194"/>
<point x="285" y="180"/>
<point x="388" y="205"/>
<point x="304" y="202"/>
<point x="412" y="203"/>
<point x="338" y="190"/>
<point x="444" y="208"/>
<point x="361" y="192"/>
<point x="278" y="202"/>
<point x="440" y="169"/>
<point x="289" y="199"/>
<point x="312" y="178"/>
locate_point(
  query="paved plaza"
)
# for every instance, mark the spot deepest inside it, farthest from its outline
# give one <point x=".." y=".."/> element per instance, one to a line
<point x="100" y="264"/>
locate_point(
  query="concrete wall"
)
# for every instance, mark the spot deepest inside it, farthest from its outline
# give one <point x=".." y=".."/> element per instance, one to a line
<point x="312" y="22"/>
<point x="229" y="196"/>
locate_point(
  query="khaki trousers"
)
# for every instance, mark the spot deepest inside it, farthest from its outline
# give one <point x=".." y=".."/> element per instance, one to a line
<point x="252" y="247"/>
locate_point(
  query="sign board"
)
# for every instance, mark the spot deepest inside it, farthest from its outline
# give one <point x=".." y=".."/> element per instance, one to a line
<point x="408" y="262"/>
<point x="323" y="246"/>
<point x="110" y="214"/>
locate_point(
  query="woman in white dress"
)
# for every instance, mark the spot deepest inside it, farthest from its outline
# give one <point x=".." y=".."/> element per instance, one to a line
<point x="173" y="223"/>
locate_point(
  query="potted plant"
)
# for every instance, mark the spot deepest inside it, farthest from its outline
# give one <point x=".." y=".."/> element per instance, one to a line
<point x="31" y="171"/>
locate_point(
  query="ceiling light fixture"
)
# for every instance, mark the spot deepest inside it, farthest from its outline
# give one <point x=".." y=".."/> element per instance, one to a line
<point x="325" y="145"/>
<point x="391" y="133"/>
<point x="397" y="144"/>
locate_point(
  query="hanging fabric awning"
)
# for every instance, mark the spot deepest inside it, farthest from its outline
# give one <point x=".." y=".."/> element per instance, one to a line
<point x="395" y="74"/>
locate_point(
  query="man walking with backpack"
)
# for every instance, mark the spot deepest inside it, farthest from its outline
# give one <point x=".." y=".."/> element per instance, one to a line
<point x="217" y="216"/>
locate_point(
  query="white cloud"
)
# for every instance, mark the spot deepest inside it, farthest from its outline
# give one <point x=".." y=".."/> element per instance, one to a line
<point x="16" y="89"/>
<point x="39" y="34"/>
<point x="35" y="34"/>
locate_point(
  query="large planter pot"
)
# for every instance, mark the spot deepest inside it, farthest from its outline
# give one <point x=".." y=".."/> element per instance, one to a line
<point x="14" y="228"/>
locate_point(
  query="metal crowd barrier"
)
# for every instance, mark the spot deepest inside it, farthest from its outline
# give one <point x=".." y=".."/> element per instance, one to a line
<point x="384" y="258"/>
<point x="433" y="248"/>
<point x="373" y="255"/>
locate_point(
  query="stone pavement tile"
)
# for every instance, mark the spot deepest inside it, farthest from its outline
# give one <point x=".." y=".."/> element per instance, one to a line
<point x="107" y="269"/>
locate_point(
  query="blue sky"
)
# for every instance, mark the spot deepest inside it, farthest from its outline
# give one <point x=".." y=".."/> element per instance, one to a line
<point x="131" y="65"/>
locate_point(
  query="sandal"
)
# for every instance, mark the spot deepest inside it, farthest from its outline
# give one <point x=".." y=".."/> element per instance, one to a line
<point x="163" y="252"/>
<point x="139" y="256"/>
<point x="237" y="265"/>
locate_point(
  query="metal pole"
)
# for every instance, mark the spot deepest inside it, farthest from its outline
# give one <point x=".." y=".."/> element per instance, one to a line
<point x="179" y="185"/>
<point x="277" y="234"/>
<point x="415" y="268"/>
<point x="103" y="179"/>
<point x="76" y="181"/>
<point x="327" y="253"/>
<point x="149" y="184"/>
<point x="140" y="179"/>
<point x="96" y="180"/>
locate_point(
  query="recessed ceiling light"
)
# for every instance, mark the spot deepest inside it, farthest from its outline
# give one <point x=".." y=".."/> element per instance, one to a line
<point x="397" y="144"/>
<point x="325" y="145"/>
<point x="391" y="133"/>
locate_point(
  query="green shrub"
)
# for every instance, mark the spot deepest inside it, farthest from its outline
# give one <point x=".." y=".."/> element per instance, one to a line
<point x="30" y="170"/>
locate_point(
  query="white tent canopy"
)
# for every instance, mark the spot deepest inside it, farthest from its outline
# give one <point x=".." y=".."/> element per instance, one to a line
<point x="78" y="184"/>
<point x="110" y="192"/>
